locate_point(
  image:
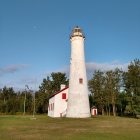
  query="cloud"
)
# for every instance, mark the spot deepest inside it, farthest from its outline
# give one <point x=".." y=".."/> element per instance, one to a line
<point x="28" y="80"/>
<point x="19" y="84"/>
<point x="93" y="66"/>
<point x="12" y="68"/>
<point x="106" y="66"/>
<point x="33" y="82"/>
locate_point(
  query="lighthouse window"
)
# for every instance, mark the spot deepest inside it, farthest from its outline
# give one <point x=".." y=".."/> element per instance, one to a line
<point x="81" y="81"/>
<point x="63" y="95"/>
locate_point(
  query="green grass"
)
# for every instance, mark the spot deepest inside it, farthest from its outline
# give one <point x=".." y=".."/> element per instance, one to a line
<point x="45" y="128"/>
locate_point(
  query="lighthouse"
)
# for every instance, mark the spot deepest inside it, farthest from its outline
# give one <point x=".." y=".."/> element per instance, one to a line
<point x="78" y="101"/>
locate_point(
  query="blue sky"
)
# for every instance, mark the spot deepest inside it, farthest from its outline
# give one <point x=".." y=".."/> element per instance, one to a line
<point x="34" y="36"/>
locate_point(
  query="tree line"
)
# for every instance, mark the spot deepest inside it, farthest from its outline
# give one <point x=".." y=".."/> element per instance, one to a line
<point x="12" y="102"/>
<point x="116" y="92"/>
<point x="113" y="92"/>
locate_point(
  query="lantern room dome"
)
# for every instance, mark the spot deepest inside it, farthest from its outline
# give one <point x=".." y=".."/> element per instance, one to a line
<point x="77" y="31"/>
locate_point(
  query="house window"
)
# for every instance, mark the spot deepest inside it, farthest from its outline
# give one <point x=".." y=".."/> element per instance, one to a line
<point x="49" y="107"/>
<point x="63" y="95"/>
<point x="81" y="80"/>
<point x="53" y="106"/>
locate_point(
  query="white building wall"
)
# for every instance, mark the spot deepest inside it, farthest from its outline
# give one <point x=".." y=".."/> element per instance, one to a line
<point x="78" y="102"/>
<point x="60" y="105"/>
<point x="51" y="106"/>
<point x="94" y="112"/>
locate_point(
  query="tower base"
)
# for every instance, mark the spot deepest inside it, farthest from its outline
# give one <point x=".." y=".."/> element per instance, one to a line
<point x="79" y="116"/>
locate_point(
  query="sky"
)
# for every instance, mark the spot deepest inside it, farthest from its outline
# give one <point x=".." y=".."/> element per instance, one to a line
<point x="34" y="37"/>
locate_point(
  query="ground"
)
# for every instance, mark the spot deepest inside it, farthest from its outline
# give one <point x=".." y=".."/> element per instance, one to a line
<point x="45" y="128"/>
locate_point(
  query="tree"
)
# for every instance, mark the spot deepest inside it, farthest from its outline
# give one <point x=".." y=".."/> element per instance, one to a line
<point x="96" y="86"/>
<point x="91" y="101"/>
<point x="132" y="87"/>
<point x="8" y="103"/>
<point x="113" y="84"/>
<point x="48" y="87"/>
<point x="132" y="78"/>
<point x="121" y="103"/>
<point x="58" y="79"/>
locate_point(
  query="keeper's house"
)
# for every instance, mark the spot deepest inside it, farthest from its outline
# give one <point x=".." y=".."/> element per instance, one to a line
<point x="58" y="103"/>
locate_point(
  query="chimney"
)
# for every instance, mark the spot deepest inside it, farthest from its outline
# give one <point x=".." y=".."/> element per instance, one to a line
<point x="62" y="86"/>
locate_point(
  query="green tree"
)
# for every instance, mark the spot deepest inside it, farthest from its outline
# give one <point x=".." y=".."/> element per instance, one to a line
<point x="113" y="84"/>
<point x="58" y="79"/>
<point x="42" y="96"/>
<point x="96" y="87"/>
<point x="132" y="78"/>
<point x="121" y="103"/>
<point x="132" y="87"/>
<point x="48" y="87"/>
<point x="8" y="100"/>
<point x="91" y="101"/>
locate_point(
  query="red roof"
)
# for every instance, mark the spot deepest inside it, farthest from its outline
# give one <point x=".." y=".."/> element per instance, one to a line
<point x="59" y="92"/>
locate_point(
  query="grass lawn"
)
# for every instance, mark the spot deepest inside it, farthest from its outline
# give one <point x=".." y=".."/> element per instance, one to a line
<point x="45" y="128"/>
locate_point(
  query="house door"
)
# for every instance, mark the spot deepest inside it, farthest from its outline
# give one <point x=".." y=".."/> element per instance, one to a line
<point x="94" y="111"/>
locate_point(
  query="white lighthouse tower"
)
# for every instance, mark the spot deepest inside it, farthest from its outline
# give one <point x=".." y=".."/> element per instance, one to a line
<point x="78" y="101"/>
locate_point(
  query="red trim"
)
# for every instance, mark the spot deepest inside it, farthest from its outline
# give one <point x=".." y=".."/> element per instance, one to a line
<point x="94" y="112"/>
<point x="63" y="95"/>
<point x="59" y="92"/>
